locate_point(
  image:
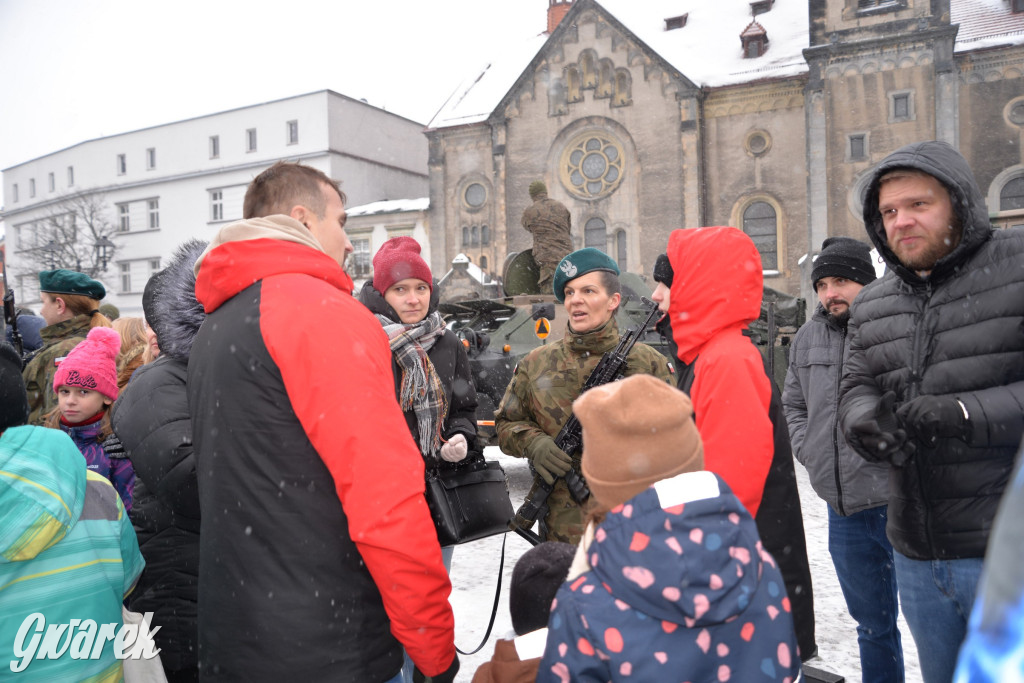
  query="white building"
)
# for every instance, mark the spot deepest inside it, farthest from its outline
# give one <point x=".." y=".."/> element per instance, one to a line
<point x="370" y="225"/>
<point x="165" y="184"/>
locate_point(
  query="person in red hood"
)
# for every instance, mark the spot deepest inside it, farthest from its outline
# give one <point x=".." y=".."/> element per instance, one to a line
<point x="318" y="557"/>
<point x="710" y="285"/>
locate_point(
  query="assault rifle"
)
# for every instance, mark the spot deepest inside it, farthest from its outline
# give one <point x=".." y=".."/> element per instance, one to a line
<point x="11" y="314"/>
<point x="570" y="438"/>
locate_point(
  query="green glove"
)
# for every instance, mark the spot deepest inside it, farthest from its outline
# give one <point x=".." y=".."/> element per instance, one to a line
<point x="548" y="459"/>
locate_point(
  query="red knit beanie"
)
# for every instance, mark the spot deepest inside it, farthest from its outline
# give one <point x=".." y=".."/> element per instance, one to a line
<point x="92" y="364"/>
<point x="397" y="259"/>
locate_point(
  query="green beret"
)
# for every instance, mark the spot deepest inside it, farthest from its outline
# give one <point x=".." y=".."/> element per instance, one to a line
<point x="63" y="281"/>
<point x="537" y="187"/>
<point x="581" y="262"/>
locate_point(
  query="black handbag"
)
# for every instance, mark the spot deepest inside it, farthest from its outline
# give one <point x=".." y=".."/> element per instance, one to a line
<point x="469" y="501"/>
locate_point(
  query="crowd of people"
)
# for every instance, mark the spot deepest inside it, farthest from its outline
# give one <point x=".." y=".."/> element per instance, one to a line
<point x="247" y="461"/>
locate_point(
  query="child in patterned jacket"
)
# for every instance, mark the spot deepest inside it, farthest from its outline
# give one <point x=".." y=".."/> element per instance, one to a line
<point x="86" y="386"/>
<point x="670" y="581"/>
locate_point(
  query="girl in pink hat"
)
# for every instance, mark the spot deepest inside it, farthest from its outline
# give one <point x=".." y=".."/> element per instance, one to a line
<point x="86" y="386"/>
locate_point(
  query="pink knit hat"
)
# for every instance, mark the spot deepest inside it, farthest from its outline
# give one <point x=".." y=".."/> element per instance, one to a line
<point x="397" y="259"/>
<point x="92" y="364"/>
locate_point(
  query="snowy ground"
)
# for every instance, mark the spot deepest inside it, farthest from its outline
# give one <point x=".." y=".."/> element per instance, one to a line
<point x="475" y="566"/>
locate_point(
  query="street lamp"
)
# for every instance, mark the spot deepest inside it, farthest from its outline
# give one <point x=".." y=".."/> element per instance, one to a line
<point x="103" y="248"/>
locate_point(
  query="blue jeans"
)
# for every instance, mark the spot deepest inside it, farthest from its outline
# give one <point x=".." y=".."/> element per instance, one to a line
<point x="937" y="596"/>
<point x="862" y="556"/>
<point x="408" y="666"/>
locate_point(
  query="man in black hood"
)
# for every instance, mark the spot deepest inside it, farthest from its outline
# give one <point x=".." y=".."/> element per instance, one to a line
<point x="934" y="382"/>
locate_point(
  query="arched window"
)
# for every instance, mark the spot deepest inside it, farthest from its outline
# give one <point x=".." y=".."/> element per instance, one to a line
<point x="485" y="235"/>
<point x="573" y="81"/>
<point x="588" y="65"/>
<point x="474" y="236"/>
<point x="620" y="250"/>
<point x="606" y="79"/>
<point x="595" y="234"/>
<point x="1011" y="197"/>
<point x="759" y="221"/>
<point x="465" y="235"/>
<point x="623" y="88"/>
<point x="483" y="262"/>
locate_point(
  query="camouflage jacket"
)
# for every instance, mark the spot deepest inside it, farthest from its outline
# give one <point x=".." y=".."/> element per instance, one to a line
<point x="58" y="340"/>
<point x="550" y="222"/>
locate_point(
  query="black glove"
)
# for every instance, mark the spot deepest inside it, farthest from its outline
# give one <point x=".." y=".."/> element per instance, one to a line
<point x="880" y="438"/>
<point x="446" y="677"/>
<point x="113" y="447"/>
<point x="930" y="417"/>
<point x="549" y="460"/>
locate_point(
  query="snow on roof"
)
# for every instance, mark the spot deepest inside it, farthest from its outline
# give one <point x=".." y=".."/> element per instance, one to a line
<point x="474" y="270"/>
<point x="985" y="23"/>
<point x="390" y="206"/>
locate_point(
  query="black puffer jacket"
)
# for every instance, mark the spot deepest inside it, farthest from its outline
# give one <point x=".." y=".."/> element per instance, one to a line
<point x="152" y="420"/>
<point x="959" y="333"/>
<point x="452" y="365"/>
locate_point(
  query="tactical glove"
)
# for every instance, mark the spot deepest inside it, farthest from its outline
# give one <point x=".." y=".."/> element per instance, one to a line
<point x="446" y="677"/>
<point x="455" y="449"/>
<point x="879" y="439"/>
<point x="113" y="447"/>
<point x="548" y="459"/>
<point x="929" y="418"/>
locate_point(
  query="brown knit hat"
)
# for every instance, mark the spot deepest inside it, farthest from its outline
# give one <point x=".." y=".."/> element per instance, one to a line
<point x="635" y="432"/>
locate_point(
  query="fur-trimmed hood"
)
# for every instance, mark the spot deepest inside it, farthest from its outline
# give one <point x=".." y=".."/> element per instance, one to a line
<point x="177" y="314"/>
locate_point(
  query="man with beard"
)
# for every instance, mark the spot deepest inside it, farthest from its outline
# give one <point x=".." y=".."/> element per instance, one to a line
<point x="856" y="490"/>
<point x="934" y="382"/>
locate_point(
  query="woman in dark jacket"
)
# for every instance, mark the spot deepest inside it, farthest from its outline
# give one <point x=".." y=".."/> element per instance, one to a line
<point x="432" y="376"/>
<point x="152" y="420"/>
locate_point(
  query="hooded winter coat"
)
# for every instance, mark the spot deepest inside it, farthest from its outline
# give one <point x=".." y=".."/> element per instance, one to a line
<point x="451" y="363"/>
<point x="840" y="477"/>
<point x="152" y="420"/>
<point x="716" y="293"/>
<point x="958" y="332"/>
<point x="318" y="555"/>
<point x="67" y="552"/>
<point x="676" y="587"/>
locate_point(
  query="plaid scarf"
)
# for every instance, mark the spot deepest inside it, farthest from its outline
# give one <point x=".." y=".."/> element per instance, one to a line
<point x="421" y="388"/>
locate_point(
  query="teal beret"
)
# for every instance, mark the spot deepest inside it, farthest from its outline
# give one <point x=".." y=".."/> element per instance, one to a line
<point x="63" y="281"/>
<point x="581" y="262"/>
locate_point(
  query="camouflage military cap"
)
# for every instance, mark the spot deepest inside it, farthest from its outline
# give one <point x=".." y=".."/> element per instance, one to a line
<point x="581" y="262"/>
<point x="63" y="281"/>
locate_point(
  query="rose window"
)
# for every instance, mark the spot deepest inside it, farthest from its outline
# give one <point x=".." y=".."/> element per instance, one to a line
<point x="592" y="165"/>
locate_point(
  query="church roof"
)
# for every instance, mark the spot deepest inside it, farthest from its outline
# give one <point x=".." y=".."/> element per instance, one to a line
<point x="389" y="206"/>
<point x="707" y="50"/>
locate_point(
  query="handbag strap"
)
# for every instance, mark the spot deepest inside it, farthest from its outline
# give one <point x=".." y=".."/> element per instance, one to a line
<point x="494" y="609"/>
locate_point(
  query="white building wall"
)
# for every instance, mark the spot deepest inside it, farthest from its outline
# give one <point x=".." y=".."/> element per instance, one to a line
<point x="375" y="155"/>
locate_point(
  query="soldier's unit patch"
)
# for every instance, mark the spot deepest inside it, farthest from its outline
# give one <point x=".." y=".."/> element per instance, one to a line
<point x="58" y="361"/>
<point x="671" y="369"/>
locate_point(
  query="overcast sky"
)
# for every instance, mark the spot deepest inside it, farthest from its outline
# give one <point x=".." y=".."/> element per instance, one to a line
<point x="74" y="70"/>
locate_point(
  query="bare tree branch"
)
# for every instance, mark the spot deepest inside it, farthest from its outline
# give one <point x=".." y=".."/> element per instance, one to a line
<point x="67" y="237"/>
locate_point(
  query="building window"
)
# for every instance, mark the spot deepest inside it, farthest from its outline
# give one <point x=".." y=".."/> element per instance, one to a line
<point x="51" y="181"/>
<point x="485" y="235"/>
<point x="754" y="40"/>
<point x="474" y="236"/>
<point x="150" y="158"/>
<point x="154" y="265"/>
<point x="620" y="250"/>
<point x="122" y="164"/>
<point x="760" y="223"/>
<point x="124" y="218"/>
<point x="71" y="176"/>
<point x="879" y="6"/>
<point x="361" y="261"/>
<point x="758" y="143"/>
<point x="214" y="146"/>
<point x="126" y="278"/>
<point x="31" y="187"/>
<point x="14" y="192"/>
<point x="483" y="262"/>
<point x="1018" y="5"/>
<point x="672" y="23"/>
<point x="250" y="140"/>
<point x="592" y="165"/>
<point x="1011" y="197"/>
<point x="901" y="106"/>
<point x="475" y="195"/>
<point x="293" y="132"/>
<point x="595" y="234"/>
<point x="465" y="235"/>
<point x="153" y="205"/>
<point x="857" y="147"/>
<point x="216" y="205"/>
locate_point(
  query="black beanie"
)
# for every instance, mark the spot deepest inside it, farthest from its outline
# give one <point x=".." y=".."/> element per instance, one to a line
<point x="538" y="575"/>
<point x="13" y="401"/>
<point x="843" y="257"/>
<point x="663" y="270"/>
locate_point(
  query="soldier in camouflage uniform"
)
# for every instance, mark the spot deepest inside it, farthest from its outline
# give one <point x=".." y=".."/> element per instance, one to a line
<point x="70" y="309"/>
<point x="549" y="222"/>
<point x="539" y="398"/>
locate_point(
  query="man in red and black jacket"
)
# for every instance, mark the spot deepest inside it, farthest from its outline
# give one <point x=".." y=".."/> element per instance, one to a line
<point x="318" y="557"/>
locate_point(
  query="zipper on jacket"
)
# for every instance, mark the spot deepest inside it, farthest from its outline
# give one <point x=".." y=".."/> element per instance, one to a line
<point x="835" y="424"/>
<point x="913" y="391"/>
